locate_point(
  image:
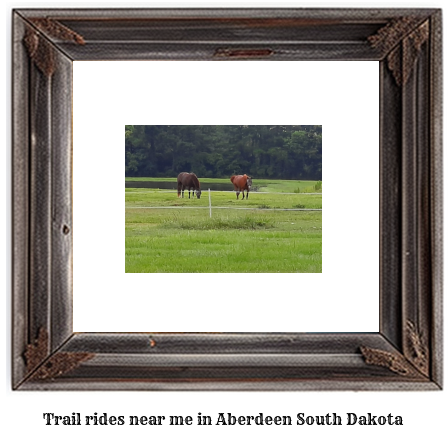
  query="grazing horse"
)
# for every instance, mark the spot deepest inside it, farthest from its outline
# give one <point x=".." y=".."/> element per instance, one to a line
<point x="241" y="183"/>
<point x="188" y="181"/>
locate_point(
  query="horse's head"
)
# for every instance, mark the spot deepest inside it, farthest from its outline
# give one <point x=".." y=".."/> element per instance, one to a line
<point x="198" y="193"/>
<point x="249" y="182"/>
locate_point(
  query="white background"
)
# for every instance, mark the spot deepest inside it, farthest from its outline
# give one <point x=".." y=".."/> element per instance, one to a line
<point x="344" y="102"/>
<point x="423" y="413"/>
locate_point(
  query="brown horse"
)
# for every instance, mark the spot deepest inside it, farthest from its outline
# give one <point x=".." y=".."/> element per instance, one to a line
<point x="188" y="181"/>
<point x="241" y="183"/>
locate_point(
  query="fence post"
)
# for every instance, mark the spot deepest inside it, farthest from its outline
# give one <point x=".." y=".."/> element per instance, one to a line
<point x="210" y="202"/>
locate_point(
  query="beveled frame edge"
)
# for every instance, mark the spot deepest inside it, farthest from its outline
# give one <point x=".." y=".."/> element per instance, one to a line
<point x="42" y="307"/>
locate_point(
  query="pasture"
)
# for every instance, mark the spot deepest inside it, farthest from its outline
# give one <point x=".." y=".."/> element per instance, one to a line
<point x="261" y="185"/>
<point x="254" y="235"/>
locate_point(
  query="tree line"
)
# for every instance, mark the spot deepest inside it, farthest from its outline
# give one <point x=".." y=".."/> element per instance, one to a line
<point x="217" y="151"/>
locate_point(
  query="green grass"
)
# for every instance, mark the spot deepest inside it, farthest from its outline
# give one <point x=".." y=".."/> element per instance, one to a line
<point x="218" y="223"/>
<point x="315" y="187"/>
<point x="263" y="239"/>
<point x="166" y="198"/>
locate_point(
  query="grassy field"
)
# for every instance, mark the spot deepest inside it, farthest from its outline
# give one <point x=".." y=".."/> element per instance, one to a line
<point x="262" y="185"/>
<point x="260" y="239"/>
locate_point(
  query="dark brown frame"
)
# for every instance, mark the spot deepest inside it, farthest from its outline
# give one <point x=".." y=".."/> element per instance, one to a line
<point x="406" y="354"/>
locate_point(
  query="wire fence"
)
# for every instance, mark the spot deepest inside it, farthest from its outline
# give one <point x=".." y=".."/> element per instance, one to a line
<point x="233" y="208"/>
<point x="210" y="207"/>
<point x="233" y="191"/>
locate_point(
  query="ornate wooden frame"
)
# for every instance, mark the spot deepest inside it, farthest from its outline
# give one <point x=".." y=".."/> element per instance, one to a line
<point x="406" y="354"/>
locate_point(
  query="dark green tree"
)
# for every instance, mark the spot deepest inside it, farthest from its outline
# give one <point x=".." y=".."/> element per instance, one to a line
<point x="277" y="151"/>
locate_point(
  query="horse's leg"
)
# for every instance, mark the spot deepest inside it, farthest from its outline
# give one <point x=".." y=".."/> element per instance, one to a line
<point x="247" y="195"/>
<point x="243" y="193"/>
<point x="237" y="195"/>
<point x="179" y="188"/>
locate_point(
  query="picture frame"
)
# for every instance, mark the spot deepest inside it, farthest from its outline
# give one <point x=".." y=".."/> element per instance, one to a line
<point x="406" y="353"/>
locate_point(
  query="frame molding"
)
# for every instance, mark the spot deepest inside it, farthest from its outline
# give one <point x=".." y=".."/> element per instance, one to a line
<point x="406" y="354"/>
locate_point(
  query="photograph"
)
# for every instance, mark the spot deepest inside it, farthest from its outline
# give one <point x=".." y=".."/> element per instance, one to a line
<point x="218" y="94"/>
<point x="227" y="311"/>
<point x="223" y="198"/>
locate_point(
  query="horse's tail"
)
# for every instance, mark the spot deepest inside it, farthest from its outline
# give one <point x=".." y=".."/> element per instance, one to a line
<point x="232" y="178"/>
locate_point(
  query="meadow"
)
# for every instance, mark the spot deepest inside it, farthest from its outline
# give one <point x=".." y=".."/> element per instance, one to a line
<point x="262" y="185"/>
<point x="251" y="235"/>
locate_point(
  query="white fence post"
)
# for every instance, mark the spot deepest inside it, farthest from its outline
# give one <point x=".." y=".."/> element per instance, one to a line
<point x="210" y="202"/>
